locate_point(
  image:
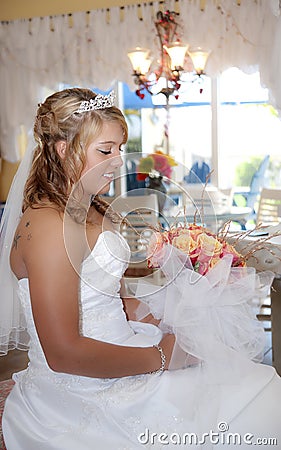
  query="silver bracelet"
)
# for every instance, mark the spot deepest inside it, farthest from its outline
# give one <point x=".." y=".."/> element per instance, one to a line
<point x="163" y="359"/>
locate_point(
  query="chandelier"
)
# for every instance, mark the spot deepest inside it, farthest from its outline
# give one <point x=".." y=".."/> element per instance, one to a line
<point x="171" y="63"/>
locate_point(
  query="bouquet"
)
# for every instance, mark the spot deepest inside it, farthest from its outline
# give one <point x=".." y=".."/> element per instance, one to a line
<point x="206" y="302"/>
<point x="156" y="165"/>
<point x="207" y="298"/>
<point x="204" y="248"/>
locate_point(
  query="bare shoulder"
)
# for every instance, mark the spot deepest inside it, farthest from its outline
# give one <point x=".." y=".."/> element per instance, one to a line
<point x="36" y="224"/>
<point x="41" y="236"/>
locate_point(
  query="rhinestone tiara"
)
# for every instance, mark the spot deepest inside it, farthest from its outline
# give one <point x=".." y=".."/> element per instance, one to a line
<point x="99" y="102"/>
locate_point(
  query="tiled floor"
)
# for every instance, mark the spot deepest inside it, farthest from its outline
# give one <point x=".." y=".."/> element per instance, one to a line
<point x="15" y="360"/>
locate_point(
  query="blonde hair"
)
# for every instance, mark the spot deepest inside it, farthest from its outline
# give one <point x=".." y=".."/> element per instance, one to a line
<point x="52" y="178"/>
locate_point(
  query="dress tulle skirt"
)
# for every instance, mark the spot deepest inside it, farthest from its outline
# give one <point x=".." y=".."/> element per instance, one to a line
<point x="59" y="412"/>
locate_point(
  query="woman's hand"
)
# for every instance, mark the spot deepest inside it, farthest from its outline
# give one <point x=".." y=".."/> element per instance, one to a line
<point x="131" y="306"/>
<point x="181" y="359"/>
<point x="151" y="319"/>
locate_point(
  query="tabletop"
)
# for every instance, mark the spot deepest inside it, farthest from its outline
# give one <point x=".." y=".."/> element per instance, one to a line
<point x="268" y="257"/>
<point x="211" y="218"/>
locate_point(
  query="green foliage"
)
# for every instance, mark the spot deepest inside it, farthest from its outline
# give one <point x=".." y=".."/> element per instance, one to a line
<point x="246" y="170"/>
<point x="271" y="109"/>
<point x="274" y="172"/>
<point x="133" y="145"/>
<point x="146" y="164"/>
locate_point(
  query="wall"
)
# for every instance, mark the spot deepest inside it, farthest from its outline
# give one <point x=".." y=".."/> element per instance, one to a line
<point x="7" y="173"/>
<point x="19" y="9"/>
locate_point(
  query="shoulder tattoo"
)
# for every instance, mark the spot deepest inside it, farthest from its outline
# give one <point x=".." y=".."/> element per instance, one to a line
<point x="29" y="236"/>
<point x="19" y="235"/>
<point x="16" y="239"/>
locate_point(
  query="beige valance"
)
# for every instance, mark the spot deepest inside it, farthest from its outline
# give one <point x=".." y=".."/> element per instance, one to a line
<point x="90" y="49"/>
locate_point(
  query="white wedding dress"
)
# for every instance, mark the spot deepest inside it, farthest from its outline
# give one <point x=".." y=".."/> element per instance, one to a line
<point x="57" y="411"/>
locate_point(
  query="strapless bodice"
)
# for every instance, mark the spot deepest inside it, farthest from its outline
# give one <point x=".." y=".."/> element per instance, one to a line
<point x="102" y="308"/>
<point x="102" y="315"/>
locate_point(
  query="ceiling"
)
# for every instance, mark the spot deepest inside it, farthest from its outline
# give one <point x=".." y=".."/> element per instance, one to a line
<point x="25" y="9"/>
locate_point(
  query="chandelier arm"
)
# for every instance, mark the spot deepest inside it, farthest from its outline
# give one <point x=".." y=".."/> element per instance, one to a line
<point x="171" y="62"/>
<point x="144" y="83"/>
<point x="159" y="72"/>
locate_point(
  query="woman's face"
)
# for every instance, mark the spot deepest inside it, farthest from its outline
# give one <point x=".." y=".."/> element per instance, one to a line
<point x="103" y="159"/>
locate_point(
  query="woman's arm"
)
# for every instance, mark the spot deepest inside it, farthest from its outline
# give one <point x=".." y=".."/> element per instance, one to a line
<point x="53" y="272"/>
<point x="131" y="306"/>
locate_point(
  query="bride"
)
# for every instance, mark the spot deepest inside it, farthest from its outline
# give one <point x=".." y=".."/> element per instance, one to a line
<point x="97" y="377"/>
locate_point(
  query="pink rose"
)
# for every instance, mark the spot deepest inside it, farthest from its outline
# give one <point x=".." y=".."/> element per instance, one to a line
<point x="155" y="249"/>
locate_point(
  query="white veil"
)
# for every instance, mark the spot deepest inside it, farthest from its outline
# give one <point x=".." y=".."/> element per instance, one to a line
<point x="13" y="333"/>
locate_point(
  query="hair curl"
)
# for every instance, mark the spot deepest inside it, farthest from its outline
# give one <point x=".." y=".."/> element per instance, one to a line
<point x="52" y="178"/>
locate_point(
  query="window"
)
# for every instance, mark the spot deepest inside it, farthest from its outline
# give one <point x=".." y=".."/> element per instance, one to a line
<point x="248" y="127"/>
<point x="187" y="125"/>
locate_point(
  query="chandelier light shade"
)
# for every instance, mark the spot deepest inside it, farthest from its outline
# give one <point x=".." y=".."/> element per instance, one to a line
<point x="199" y="59"/>
<point x="176" y="52"/>
<point x="173" y="54"/>
<point x="139" y="60"/>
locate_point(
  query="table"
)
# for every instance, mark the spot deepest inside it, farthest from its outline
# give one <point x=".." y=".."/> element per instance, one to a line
<point x="183" y="193"/>
<point x="269" y="258"/>
<point x="213" y="219"/>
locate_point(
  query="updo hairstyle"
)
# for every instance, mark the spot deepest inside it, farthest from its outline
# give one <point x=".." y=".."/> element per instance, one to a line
<point x="52" y="178"/>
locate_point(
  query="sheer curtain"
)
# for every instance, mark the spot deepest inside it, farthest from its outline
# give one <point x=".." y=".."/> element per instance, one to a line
<point x="90" y="49"/>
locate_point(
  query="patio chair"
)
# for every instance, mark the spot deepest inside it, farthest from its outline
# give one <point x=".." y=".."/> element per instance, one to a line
<point x="142" y="213"/>
<point x="251" y="195"/>
<point x="269" y="210"/>
<point x="268" y="213"/>
<point x="133" y="184"/>
<point x="198" y="173"/>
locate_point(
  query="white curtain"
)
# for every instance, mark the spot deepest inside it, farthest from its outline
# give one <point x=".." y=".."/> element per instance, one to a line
<point x="90" y="49"/>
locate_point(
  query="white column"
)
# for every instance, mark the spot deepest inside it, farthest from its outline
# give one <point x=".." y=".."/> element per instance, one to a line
<point x="215" y="108"/>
